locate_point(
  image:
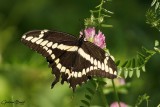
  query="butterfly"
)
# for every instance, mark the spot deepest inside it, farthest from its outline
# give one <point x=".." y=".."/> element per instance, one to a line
<point x="72" y="59"/>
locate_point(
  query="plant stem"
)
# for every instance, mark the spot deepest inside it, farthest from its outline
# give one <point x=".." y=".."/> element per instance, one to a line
<point x="102" y="95"/>
<point x="100" y="8"/>
<point x="13" y="105"/>
<point x="116" y="94"/>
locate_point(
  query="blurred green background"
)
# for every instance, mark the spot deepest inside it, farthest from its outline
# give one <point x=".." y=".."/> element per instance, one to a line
<point x="24" y="74"/>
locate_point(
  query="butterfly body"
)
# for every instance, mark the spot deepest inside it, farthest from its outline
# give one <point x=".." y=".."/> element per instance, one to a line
<point x="74" y="60"/>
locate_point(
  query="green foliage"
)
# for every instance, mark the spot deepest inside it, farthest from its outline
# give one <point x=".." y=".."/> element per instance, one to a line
<point x="137" y="64"/>
<point x="89" y="94"/>
<point x="98" y="16"/>
<point x="153" y="15"/>
<point x="142" y="98"/>
<point x="156" y="47"/>
<point x="96" y="87"/>
<point x="116" y="94"/>
<point x="130" y="67"/>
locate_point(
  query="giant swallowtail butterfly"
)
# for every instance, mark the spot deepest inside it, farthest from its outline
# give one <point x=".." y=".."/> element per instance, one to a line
<point x="74" y="60"/>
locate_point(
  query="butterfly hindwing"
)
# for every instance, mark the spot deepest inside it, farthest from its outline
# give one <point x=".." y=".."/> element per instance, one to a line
<point x="101" y="60"/>
<point x="73" y="60"/>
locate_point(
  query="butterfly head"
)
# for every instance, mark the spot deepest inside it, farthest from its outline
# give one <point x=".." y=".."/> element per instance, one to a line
<point x="82" y="37"/>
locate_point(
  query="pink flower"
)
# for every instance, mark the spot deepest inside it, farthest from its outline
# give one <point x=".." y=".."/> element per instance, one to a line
<point x="119" y="81"/>
<point x="115" y="104"/>
<point x="122" y="81"/>
<point x="89" y="33"/>
<point x="99" y="40"/>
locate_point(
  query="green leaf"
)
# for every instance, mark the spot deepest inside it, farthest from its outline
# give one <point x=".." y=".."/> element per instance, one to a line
<point x="153" y="2"/>
<point x="124" y="64"/>
<point x="90" y="91"/>
<point x="131" y="73"/>
<point x="156" y="43"/>
<point x="157" y="49"/>
<point x="107" y="11"/>
<point x="137" y="72"/>
<point x="125" y="73"/>
<point x="137" y="64"/>
<point x="133" y="63"/>
<point x="117" y="62"/>
<point x="102" y="83"/>
<point x="85" y="102"/>
<point x="93" y="82"/>
<point x="157" y="6"/>
<point x="129" y="63"/>
<point x="140" y="62"/>
<point x="150" y="51"/>
<point x="141" y="55"/>
<point x="105" y="25"/>
<point x="143" y="68"/>
<point x="119" y="70"/>
<point x="142" y="98"/>
<point x="88" y="97"/>
<point x="144" y="49"/>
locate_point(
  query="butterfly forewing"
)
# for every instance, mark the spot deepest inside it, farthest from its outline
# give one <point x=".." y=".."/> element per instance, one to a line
<point x="73" y="60"/>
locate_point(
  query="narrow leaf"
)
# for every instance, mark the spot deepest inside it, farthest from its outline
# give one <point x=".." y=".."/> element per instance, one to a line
<point x="150" y="51"/>
<point x="144" y="50"/>
<point x="105" y="25"/>
<point x="131" y="73"/>
<point x="157" y="49"/>
<point x="129" y="63"/>
<point x="153" y="2"/>
<point x="133" y="63"/>
<point x="90" y="90"/>
<point x="85" y="102"/>
<point x="156" y="43"/>
<point x="88" y="97"/>
<point x="157" y="5"/>
<point x="125" y="73"/>
<point x="117" y="62"/>
<point x="93" y="82"/>
<point x="140" y="62"/>
<point x="102" y="83"/>
<point x="141" y="55"/>
<point x="143" y="68"/>
<point x="107" y="11"/>
<point x="124" y="64"/>
<point x="119" y="70"/>
<point x="137" y="72"/>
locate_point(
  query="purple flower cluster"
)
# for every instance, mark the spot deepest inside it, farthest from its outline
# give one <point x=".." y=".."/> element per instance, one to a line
<point x="97" y="39"/>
